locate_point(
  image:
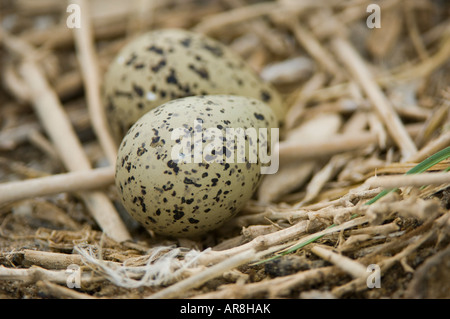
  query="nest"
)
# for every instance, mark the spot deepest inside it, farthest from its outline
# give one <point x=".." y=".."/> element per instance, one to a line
<point x="367" y="99"/>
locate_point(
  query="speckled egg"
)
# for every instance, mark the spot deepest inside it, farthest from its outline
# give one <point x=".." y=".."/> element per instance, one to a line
<point x="179" y="169"/>
<point x="166" y="64"/>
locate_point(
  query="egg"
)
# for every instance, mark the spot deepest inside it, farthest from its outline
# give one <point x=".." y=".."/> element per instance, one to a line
<point x="181" y="169"/>
<point x="166" y="64"/>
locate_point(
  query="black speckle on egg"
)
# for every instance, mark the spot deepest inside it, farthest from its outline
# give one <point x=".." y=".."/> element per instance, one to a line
<point x="110" y="105"/>
<point x="193" y="220"/>
<point x="172" y="78"/>
<point x="155" y="140"/>
<point x="189" y="181"/>
<point x="202" y="72"/>
<point x="141" y="150"/>
<point x="259" y="116"/>
<point x="216" y="50"/>
<point x="138" y="90"/>
<point x="177" y="214"/>
<point x="265" y="96"/>
<point x="155" y="49"/>
<point x="123" y="94"/>
<point x="162" y="63"/>
<point x="132" y="58"/>
<point x="186" y="42"/>
<point x="171" y="164"/>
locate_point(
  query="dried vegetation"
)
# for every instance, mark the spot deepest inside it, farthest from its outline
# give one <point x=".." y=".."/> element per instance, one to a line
<point x="361" y="103"/>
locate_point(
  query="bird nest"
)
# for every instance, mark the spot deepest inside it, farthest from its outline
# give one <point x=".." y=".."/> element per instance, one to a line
<point x="367" y="90"/>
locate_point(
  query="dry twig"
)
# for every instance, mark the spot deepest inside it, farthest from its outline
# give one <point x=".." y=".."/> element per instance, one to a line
<point x="91" y="78"/>
<point x="56" y="123"/>
<point x="393" y="124"/>
<point x="84" y="180"/>
<point x="409" y="180"/>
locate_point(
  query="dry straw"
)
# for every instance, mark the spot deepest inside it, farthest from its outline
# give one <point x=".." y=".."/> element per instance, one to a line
<point x="375" y="103"/>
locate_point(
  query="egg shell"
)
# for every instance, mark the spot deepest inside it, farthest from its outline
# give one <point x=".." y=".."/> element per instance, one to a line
<point x="167" y="64"/>
<point x="180" y="198"/>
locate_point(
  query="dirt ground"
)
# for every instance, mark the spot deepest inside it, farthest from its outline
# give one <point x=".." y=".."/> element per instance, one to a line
<point x="367" y="93"/>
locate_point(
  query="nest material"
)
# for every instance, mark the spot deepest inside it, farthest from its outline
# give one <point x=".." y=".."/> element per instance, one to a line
<point x="361" y="102"/>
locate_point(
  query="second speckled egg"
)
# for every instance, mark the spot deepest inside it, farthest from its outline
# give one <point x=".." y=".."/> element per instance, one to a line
<point x="166" y="64"/>
<point x="169" y="190"/>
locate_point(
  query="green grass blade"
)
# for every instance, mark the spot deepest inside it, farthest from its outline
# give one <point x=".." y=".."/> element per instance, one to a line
<point x="419" y="168"/>
<point x="430" y="161"/>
